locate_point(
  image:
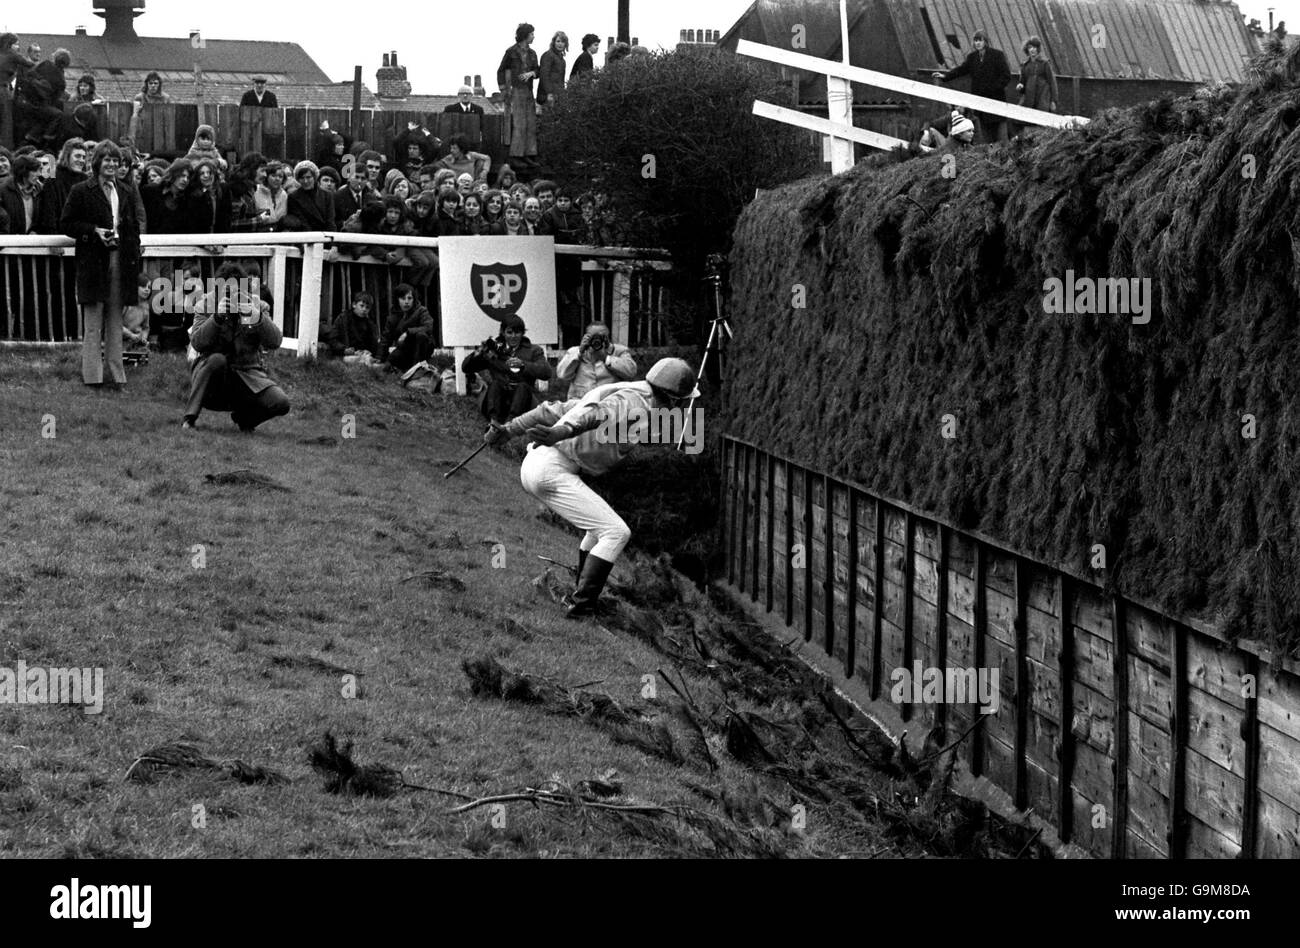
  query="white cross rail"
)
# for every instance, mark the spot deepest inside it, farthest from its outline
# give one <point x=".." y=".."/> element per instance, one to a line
<point x="921" y="90"/>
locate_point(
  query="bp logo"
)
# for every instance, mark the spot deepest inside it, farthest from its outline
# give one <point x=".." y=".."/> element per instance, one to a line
<point x="499" y="289"/>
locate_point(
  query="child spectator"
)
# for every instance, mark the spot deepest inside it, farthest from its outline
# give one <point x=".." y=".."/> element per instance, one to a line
<point x="135" y="324"/>
<point x="562" y="222"/>
<point x="449" y="223"/>
<point x="424" y="263"/>
<point x="410" y="335"/>
<point x="356" y="331"/>
<point x="588" y="232"/>
<point x="425" y="214"/>
<point x="205" y="146"/>
<point x="506" y="178"/>
<point x="512" y="224"/>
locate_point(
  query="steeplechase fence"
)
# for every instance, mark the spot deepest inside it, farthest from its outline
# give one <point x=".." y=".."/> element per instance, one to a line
<point x="312" y="279"/>
<point x="1136" y="734"/>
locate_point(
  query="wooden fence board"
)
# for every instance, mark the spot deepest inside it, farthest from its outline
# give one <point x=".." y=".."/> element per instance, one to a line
<point x="1091" y="689"/>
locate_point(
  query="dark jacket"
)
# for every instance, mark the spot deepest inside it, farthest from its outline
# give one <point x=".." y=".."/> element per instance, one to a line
<point x="455" y="109"/>
<point x="4" y="221"/>
<point x="161" y="218"/>
<point x="989" y="74"/>
<point x="11" y="200"/>
<point x="310" y="210"/>
<point x="208" y="213"/>
<point x="346" y="204"/>
<point x="243" y="347"/>
<point x="551" y="81"/>
<point x="269" y="101"/>
<point x="582" y="65"/>
<point x="349" y="331"/>
<point x="535" y="369"/>
<point x="417" y="322"/>
<point x="46" y="85"/>
<point x="87" y="208"/>
<point x="513" y="65"/>
<point x="56" y="191"/>
<point x="450" y="226"/>
<point x="1040" y="84"/>
<point x="563" y="227"/>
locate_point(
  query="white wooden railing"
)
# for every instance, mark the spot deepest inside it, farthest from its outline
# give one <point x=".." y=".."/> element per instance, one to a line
<point x="305" y="272"/>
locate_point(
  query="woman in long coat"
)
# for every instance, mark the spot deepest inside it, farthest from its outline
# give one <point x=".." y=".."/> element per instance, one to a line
<point x="551" y="82"/>
<point x="519" y="67"/>
<point x="101" y="217"/>
<point x="1037" y="86"/>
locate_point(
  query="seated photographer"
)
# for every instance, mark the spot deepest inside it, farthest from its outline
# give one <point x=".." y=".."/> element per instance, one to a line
<point x="514" y="366"/>
<point x="229" y="374"/>
<point x="594" y="362"/>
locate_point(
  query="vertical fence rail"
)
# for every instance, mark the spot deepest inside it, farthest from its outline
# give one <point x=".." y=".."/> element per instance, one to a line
<point x="1101" y="642"/>
<point x="1119" y="650"/>
<point x="1065" y="722"/>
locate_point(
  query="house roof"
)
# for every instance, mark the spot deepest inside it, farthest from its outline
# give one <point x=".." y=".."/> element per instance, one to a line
<point x="243" y="57"/>
<point x="1180" y="40"/>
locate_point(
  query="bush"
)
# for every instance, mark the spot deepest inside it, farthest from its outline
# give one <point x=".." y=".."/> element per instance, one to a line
<point x="691" y="113"/>
<point x="925" y="299"/>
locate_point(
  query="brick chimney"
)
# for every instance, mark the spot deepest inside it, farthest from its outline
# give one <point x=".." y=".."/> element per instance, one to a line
<point x="694" y="41"/>
<point x="390" y="80"/>
<point x="119" y="19"/>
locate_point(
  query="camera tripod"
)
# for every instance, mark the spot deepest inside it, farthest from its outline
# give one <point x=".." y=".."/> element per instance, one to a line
<point x="719" y="326"/>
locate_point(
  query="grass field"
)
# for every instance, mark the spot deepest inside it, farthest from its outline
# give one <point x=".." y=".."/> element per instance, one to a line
<point x="227" y="616"/>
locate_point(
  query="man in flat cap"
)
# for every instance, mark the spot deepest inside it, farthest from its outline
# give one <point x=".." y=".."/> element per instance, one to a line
<point x="258" y="96"/>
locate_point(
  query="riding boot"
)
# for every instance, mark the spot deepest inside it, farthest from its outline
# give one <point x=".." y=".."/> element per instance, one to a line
<point x="582" y="558"/>
<point x="591" y="581"/>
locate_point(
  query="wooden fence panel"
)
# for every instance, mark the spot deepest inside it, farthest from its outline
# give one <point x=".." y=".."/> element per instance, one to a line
<point x="1138" y="736"/>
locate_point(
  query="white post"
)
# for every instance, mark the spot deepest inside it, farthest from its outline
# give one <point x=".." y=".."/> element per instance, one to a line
<point x="839" y="102"/>
<point x="313" y="263"/>
<point x="276" y="268"/>
<point x="622" y="309"/>
<point x="462" y="381"/>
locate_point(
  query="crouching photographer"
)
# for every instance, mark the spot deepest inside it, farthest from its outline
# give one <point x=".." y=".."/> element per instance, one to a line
<point x="229" y="374"/>
<point x="514" y="367"/>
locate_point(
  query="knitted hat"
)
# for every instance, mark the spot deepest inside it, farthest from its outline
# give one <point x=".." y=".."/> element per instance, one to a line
<point x="962" y="127"/>
<point x="305" y="165"/>
<point x="332" y="174"/>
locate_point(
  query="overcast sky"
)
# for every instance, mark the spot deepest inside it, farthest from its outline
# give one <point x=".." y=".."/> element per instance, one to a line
<point x="438" y="42"/>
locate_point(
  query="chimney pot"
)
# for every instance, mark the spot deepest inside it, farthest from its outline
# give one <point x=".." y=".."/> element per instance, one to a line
<point x="81" y="31"/>
<point x="394" y="57"/>
<point x="385" y="60"/>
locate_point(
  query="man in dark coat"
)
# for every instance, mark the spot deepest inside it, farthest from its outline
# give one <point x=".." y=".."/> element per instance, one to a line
<point x="464" y="106"/>
<point x="101" y="217"/>
<point x="989" y="75"/>
<point x="259" y="97"/>
<point x="349" y="200"/>
<point x="514" y="366"/>
<point x="230" y="374"/>
<point x="45" y="89"/>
